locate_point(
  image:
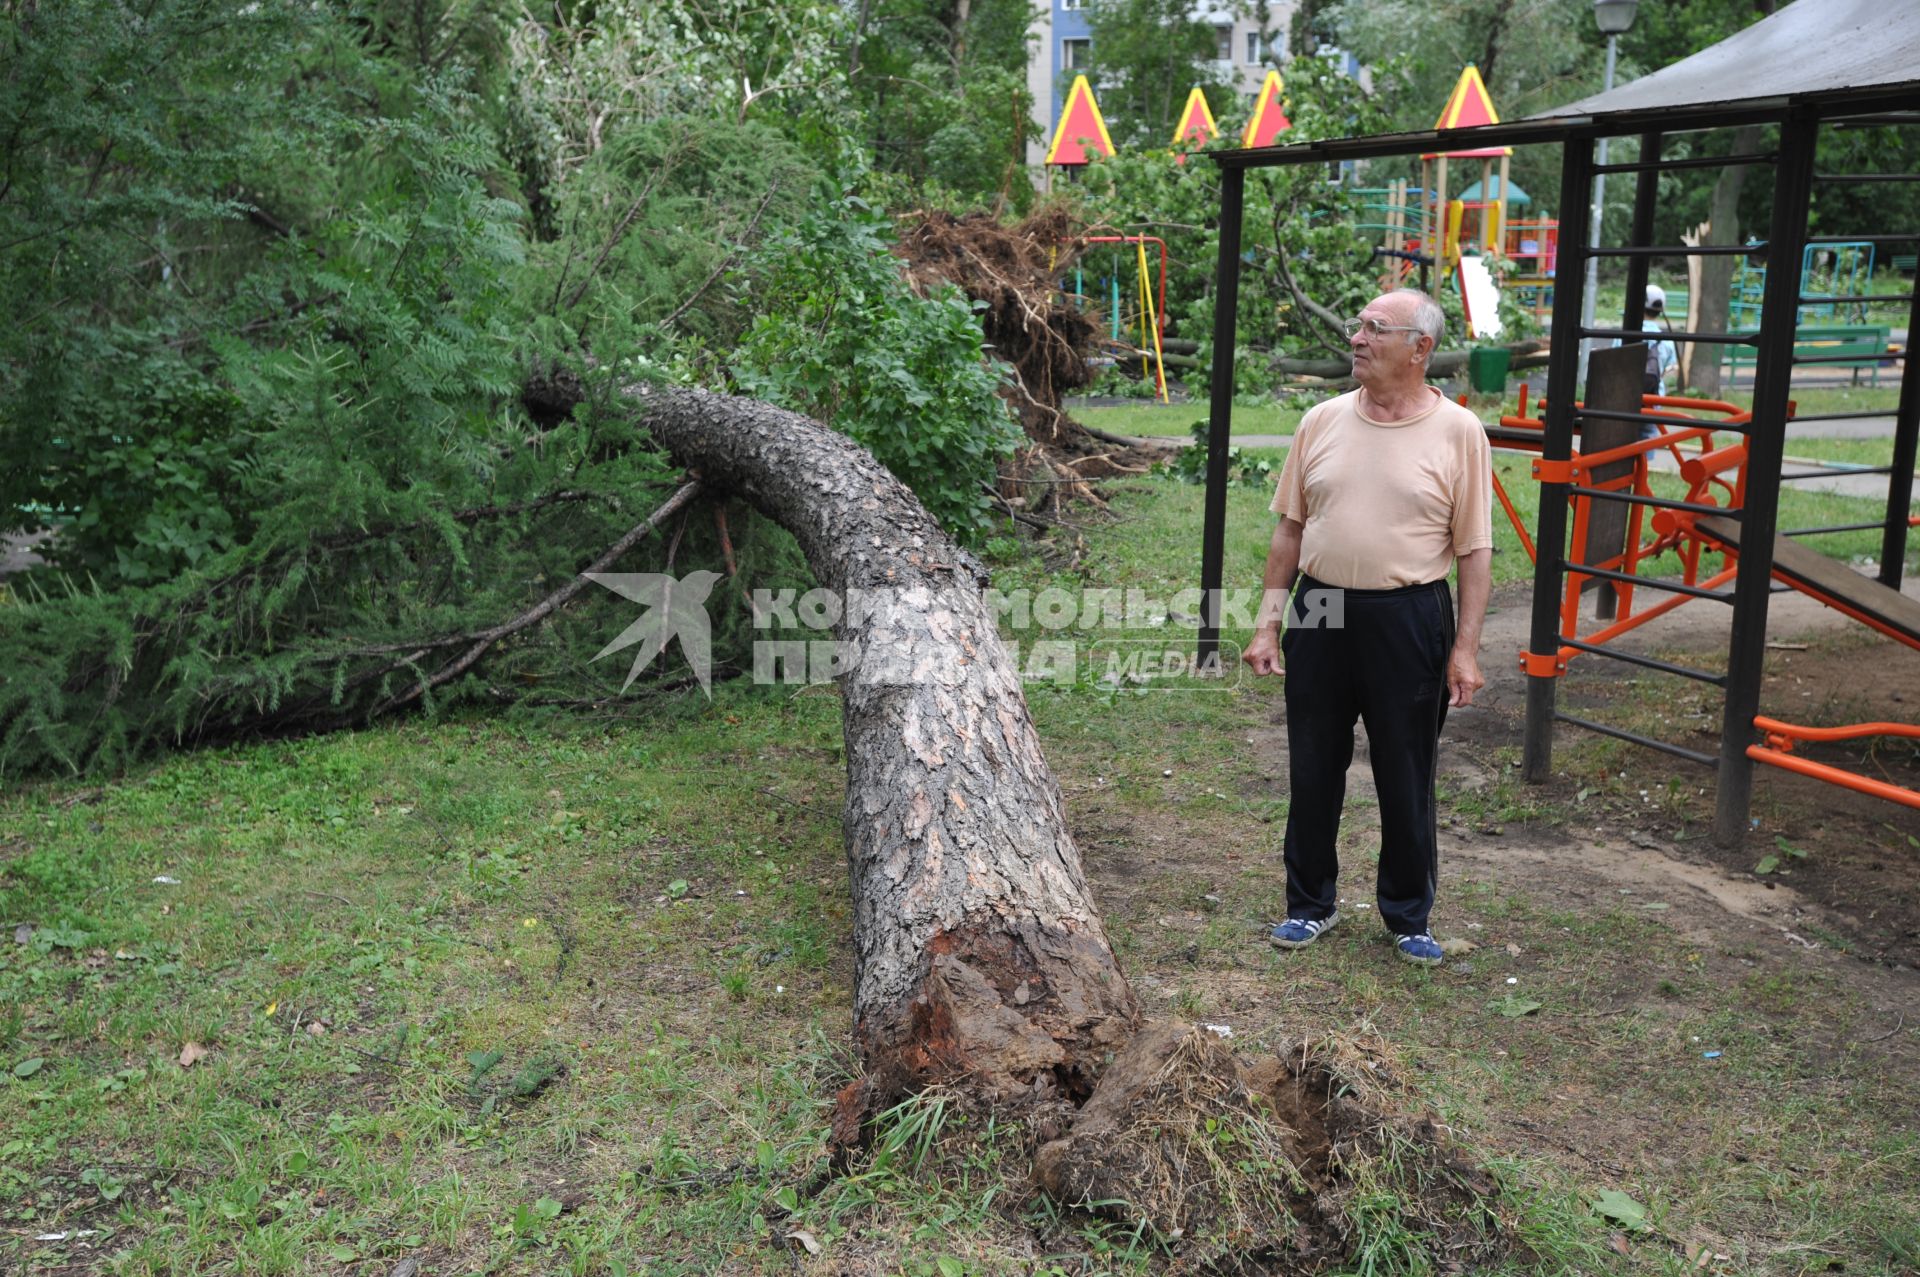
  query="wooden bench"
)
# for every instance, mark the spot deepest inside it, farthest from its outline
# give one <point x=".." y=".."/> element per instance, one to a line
<point x="1867" y="343"/>
<point x="1906" y="263"/>
<point x="1831" y="582"/>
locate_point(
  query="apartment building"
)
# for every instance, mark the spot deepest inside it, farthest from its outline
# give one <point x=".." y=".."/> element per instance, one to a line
<point x="1064" y="47"/>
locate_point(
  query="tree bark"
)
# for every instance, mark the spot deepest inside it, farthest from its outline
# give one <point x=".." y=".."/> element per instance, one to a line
<point x="979" y="955"/>
<point x="1716" y="273"/>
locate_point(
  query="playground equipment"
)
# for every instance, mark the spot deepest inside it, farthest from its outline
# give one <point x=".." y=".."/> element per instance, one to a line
<point x="1443" y="220"/>
<point x="1411" y="218"/>
<point x="1838" y="277"/>
<point x="1765" y="74"/>
<point x="1701" y="526"/>
<point x="1533" y="246"/>
<point x="1269" y="119"/>
<point x="1395" y="214"/>
<point x="1151" y="299"/>
<point x="1082" y="132"/>
<point x="1384" y="212"/>
<point x="1196" y="127"/>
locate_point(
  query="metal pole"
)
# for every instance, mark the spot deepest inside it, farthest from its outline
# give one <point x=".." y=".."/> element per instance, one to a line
<point x="1766" y="440"/>
<point x="1595" y="221"/>
<point x="1226" y="310"/>
<point x="1610" y="526"/>
<point x="1906" y="429"/>
<point x="1646" y="190"/>
<point x="1550" y="538"/>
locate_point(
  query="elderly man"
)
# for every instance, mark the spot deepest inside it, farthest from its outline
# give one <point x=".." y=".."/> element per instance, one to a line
<point x="1384" y="491"/>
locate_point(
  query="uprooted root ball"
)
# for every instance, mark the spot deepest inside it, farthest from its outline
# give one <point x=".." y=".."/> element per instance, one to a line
<point x="1303" y="1161"/>
<point x="1011" y="271"/>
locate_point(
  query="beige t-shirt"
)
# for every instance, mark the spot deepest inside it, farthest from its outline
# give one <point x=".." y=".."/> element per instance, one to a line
<point x="1387" y="503"/>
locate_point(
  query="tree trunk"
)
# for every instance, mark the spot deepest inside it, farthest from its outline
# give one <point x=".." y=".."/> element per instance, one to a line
<point x="979" y="955"/>
<point x="1716" y="273"/>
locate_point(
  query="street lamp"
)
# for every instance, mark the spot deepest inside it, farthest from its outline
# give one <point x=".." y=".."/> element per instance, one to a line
<point x="1613" y="17"/>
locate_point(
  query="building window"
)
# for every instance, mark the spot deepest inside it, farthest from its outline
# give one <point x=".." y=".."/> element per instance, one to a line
<point x="1068" y="6"/>
<point x="1076" y="55"/>
<point x="1225" y="37"/>
<point x="1256" y="47"/>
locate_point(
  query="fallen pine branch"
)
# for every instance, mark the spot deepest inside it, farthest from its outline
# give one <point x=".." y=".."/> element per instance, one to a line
<point x="539" y="611"/>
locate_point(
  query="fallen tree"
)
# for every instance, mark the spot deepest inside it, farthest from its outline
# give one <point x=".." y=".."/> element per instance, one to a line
<point x="981" y="962"/>
<point x="1011" y="273"/>
<point x="980" y="957"/>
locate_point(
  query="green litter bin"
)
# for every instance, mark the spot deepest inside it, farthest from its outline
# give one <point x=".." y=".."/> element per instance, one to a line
<point x="1487" y="369"/>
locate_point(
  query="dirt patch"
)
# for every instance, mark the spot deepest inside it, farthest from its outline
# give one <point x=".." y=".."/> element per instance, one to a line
<point x="1649" y="952"/>
<point x="1851" y="858"/>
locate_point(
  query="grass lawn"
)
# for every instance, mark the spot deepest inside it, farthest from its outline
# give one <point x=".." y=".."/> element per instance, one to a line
<point x="1148" y="419"/>
<point x="1811" y="400"/>
<point x="1853" y="452"/>
<point x="571" y="995"/>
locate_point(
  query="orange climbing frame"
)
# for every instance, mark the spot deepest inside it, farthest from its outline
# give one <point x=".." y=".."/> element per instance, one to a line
<point x="1692" y="447"/>
<point x="1715" y="476"/>
<point x="1780" y="738"/>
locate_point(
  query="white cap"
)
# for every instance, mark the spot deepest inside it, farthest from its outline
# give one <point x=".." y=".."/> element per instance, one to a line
<point x="1656" y="296"/>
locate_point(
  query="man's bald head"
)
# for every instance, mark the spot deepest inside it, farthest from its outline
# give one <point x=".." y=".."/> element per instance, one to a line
<point x="1422" y="312"/>
<point x="1397" y="335"/>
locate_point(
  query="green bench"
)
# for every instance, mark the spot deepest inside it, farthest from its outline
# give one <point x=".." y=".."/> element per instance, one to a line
<point x="1831" y="343"/>
<point x="1906" y="262"/>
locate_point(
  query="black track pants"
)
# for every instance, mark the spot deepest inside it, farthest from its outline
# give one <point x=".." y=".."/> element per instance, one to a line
<point x="1381" y="658"/>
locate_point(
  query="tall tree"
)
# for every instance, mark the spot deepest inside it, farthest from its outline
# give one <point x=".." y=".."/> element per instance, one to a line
<point x="1147" y="56"/>
<point x="942" y="91"/>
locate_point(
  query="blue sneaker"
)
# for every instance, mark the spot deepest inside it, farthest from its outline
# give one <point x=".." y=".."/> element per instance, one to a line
<point x="1298" y="933"/>
<point x="1422" y="950"/>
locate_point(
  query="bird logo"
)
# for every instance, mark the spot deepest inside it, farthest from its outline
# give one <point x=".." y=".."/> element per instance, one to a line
<point x="676" y="608"/>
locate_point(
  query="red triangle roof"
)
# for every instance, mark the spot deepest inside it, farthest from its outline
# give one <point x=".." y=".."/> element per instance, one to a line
<point x="1269" y="115"/>
<point x="1196" y="127"/>
<point x="1082" y="133"/>
<point x="1469" y="106"/>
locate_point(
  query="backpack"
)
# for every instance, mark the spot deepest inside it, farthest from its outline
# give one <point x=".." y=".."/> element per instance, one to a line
<point x="1650" y="371"/>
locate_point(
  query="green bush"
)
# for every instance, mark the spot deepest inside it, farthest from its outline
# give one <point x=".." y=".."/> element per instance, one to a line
<point x="138" y="460"/>
<point x="842" y="338"/>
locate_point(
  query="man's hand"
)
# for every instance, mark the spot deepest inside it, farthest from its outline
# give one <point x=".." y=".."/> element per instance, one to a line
<point x="1263" y="653"/>
<point x="1463" y="677"/>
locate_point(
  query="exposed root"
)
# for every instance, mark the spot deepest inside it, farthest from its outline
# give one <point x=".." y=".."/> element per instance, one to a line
<point x="1304" y="1161"/>
<point x="1029" y="323"/>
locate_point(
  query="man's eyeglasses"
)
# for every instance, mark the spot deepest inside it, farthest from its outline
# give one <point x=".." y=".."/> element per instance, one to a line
<point x="1374" y="327"/>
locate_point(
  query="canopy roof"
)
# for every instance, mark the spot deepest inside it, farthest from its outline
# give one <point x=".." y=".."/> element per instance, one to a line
<point x="1813" y="47"/>
<point x="1468" y="106"/>
<point x="1516" y="196"/>
<point x="1830" y="55"/>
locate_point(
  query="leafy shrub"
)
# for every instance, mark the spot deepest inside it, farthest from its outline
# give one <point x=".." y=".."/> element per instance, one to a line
<point x="842" y="338"/>
<point x="138" y="459"/>
<point x="1189" y="465"/>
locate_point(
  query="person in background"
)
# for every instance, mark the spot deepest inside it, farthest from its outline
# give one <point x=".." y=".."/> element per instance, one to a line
<point x="1662" y="356"/>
